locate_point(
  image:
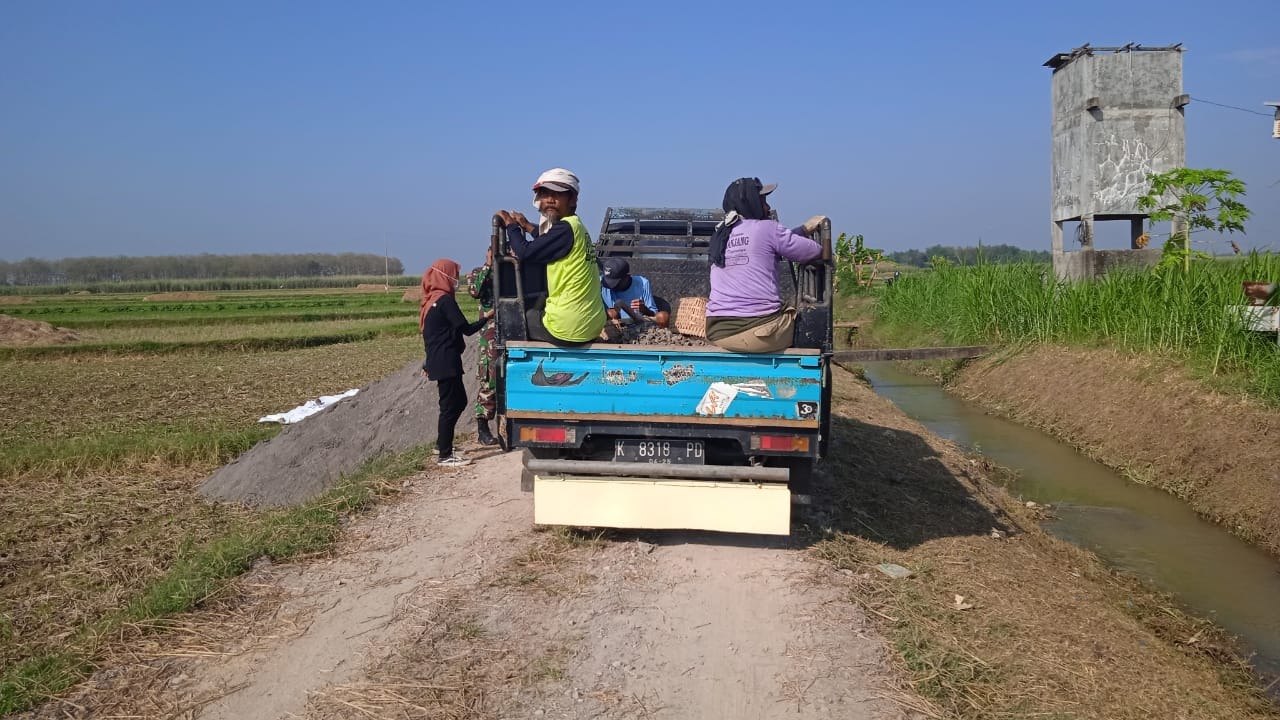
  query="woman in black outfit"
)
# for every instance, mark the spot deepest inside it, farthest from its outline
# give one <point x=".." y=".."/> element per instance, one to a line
<point x="443" y="325"/>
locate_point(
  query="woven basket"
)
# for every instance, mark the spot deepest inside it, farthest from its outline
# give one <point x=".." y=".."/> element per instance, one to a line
<point x="691" y="317"/>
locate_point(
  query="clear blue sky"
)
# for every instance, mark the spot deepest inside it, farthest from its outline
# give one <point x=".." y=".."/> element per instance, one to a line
<point x="142" y="128"/>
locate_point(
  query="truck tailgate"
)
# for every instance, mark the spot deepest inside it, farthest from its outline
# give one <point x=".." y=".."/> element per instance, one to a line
<point x="663" y="384"/>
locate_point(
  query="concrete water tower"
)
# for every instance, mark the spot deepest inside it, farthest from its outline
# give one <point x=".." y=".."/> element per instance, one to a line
<point x="1117" y="117"/>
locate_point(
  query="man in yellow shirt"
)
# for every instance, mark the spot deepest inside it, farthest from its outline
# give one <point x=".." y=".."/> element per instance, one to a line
<point x="573" y="312"/>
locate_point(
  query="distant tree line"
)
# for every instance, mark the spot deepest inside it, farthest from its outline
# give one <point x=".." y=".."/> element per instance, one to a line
<point x="34" y="271"/>
<point x="969" y="255"/>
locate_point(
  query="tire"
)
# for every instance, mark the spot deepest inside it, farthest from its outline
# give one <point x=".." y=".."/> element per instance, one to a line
<point x="801" y="479"/>
<point x="526" y="475"/>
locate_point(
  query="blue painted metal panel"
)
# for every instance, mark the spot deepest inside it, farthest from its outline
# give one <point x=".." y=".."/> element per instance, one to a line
<point x="639" y="382"/>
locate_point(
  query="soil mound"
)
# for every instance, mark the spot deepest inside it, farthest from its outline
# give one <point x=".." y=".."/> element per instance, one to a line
<point x="17" y="331"/>
<point x="391" y="415"/>
<point x="1151" y="420"/>
<point x="372" y="287"/>
<point x="413" y="294"/>
<point x="181" y="296"/>
<point x="15" y="300"/>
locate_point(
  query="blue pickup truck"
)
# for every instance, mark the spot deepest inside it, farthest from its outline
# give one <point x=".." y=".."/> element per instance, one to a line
<point x="667" y="436"/>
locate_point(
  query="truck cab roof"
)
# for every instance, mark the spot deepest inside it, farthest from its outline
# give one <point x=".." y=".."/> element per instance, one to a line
<point x="658" y="233"/>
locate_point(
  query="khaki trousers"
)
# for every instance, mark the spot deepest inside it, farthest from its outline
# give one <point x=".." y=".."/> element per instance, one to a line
<point x="776" y="334"/>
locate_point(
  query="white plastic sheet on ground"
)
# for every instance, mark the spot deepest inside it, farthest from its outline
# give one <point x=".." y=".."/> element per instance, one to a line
<point x="307" y="409"/>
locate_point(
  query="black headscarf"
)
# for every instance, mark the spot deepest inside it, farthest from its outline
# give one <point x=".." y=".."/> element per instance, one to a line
<point x="743" y="198"/>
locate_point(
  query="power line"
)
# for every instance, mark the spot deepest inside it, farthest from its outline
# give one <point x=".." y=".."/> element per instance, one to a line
<point x="1232" y="107"/>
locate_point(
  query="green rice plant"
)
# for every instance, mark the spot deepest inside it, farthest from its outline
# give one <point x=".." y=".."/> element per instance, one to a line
<point x="1185" y="316"/>
<point x="132" y="311"/>
<point x="214" y="285"/>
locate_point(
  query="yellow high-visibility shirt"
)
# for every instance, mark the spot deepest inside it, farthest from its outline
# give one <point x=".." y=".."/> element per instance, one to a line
<point x="575" y="311"/>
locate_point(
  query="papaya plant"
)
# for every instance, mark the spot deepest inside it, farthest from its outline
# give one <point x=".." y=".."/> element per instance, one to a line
<point x="1193" y="199"/>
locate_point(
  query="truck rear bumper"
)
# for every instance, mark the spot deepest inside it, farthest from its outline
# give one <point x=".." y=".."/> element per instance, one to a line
<point x="662" y="504"/>
<point x="669" y="472"/>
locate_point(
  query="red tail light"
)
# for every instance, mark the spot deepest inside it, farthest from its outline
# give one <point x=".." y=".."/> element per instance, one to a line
<point x="558" y="435"/>
<point x="782" y="443"/>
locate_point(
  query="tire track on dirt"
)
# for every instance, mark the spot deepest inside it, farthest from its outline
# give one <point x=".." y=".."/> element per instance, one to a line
<point x="652" y="625"/>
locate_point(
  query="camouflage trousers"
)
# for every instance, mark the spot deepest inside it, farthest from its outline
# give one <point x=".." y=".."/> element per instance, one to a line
<point x="486" y="371"/>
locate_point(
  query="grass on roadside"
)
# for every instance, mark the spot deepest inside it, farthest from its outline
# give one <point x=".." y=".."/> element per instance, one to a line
<point x="202" y="569"/>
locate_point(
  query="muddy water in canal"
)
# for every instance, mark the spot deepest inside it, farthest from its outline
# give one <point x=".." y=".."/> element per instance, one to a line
<point x="1135" y="528"/>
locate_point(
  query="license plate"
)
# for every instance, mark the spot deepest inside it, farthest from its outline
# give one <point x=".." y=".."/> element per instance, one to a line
<point x="660" y="452"/>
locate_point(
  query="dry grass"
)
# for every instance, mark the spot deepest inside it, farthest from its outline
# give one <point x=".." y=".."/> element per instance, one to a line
<point x="197" y="576"/>
<point x="469" y="657"/>
<point x="21" y="332"/>
<point x="100" y="459"/>
<point x="65" y="398"/>
<point x="1051" y="631"/>
<point x="547" y="566"/>
<point x="143" y="664"/>
<point x="75" y="551"/>
<point x="451" y="670"/>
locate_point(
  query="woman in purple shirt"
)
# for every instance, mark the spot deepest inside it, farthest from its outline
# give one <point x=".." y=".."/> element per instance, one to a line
<point x="745" y="312"/>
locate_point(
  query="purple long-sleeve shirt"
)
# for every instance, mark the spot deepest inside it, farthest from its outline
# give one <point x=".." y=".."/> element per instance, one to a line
<point x="747" y="285"/>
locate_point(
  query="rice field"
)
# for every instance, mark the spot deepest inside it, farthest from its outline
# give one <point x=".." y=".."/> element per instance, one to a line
<point x="103" y="442"/>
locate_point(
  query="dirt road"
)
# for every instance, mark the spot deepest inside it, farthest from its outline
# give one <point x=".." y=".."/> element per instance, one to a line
<point x="448" y="603"/>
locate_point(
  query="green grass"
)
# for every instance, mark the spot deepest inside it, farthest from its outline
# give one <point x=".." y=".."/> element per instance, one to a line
<point x="201" y="572"/>
<point x="1167" y="314"/>
<point x="211" y="285"/>
<point x="105" y="311"/>
<point x="244" y="323"/>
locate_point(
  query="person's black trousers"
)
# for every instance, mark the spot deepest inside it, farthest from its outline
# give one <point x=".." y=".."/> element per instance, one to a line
<point x="453" y="400"/>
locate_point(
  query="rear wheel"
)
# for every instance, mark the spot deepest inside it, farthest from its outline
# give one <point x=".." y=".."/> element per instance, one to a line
<point x="801" y="476"/>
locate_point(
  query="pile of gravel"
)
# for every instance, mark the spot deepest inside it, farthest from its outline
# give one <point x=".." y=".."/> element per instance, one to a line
<point x="650" y="334"/>
<point x="393" y="414"/>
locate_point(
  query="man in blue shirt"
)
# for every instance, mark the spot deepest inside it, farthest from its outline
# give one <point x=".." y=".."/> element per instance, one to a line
<point x="618" y="287"/>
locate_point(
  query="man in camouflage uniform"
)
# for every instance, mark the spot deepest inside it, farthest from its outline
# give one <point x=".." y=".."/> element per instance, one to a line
<point x="480" y="286"/>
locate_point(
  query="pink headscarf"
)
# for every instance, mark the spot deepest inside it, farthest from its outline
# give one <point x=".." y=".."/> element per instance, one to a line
<point x="439" y="280"/>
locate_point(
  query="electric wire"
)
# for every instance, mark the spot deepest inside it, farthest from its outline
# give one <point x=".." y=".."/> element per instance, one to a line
<point x="1231" y="107"/>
